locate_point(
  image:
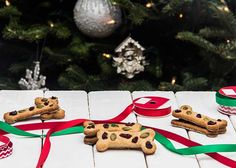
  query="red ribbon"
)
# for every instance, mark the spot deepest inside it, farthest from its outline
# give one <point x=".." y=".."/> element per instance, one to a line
<point x="58" y="126"/>
<point x="5" y="149"/>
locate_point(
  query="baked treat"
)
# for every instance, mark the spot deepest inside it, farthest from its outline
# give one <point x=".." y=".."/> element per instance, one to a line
<point x="91" y="129"/>
<point x="42" y="100"/>
<point x="58" y="114"/>
<point x="90" y="140"/>
<point x="14" y="116"/>
<point x="127" y="140"/>
<point x="197" y="122"/>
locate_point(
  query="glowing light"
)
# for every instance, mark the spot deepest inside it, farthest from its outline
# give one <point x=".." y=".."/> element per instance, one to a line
<point x="106" y="55"/>
<point x="228" y="41"/>
<point x="149" y="5"/>
<point x="173" y="80"/>
<point x="226" y="9"/>
<point x="51" y="25"/>
<point x="7" y="3"/>
<point x="112" y="21"/>
<point x="181" y="15"/>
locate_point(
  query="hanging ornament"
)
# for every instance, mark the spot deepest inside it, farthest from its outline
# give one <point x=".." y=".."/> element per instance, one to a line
<point x="97" y="18"/>
<point x="33" y="80"/>
<point x="130" y="59"/>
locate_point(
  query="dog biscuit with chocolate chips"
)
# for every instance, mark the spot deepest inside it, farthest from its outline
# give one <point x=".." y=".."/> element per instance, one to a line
<point x="186" y="113"/>
<point x="14" y="116"/>
<point x="197" y="122"/>
<point x="126" y="140"/>
<point x="57" y="114"/>
<point x="91" y="129"/>
<point x="42" y="100"/>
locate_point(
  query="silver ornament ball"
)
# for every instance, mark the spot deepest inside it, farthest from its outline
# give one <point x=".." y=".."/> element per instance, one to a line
<point x="97" y="18"/>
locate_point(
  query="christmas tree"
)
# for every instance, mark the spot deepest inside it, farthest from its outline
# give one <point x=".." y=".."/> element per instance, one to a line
<point x="189" y="44"/>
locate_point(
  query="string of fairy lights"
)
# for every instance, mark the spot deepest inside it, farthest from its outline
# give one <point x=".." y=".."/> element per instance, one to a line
<point x="150" y="4"/>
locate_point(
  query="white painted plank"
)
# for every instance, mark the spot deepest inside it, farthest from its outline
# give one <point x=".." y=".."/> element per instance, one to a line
<point x="233" y="120"/>
<point x="25" y="150"/>
<point x="106" y="105"/>
<point x="69" y="150"/>
<point x="163" y="157"/>
<point x="204" y="102"/>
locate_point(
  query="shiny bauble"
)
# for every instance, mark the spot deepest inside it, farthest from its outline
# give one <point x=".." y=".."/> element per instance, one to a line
<point x="97" y="18"/>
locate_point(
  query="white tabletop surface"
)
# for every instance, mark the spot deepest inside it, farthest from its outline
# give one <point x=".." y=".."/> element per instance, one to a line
<point x="69" y="151"/>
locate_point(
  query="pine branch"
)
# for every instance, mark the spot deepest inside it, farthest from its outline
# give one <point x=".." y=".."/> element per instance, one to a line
<point x="15" y="31"/>
<point x="60" y="31"/>
<point x="136" y="12"/>
<point x="226" y="19"/>
<point x="174" y="6"/>
<point x="8" y="11"/>
<point x="197" y="40"/>
<point x="214" y="33"/>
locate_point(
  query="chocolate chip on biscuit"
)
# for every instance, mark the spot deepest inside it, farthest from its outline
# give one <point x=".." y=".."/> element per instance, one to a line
<point x="31" y="108"/>
<point x="211" y="123"/>
<point x="46" y="103"/>
<point x="177" y="111"/>
<point x="199" y="116"/>
<point x="129" y="124"/>
<point x="104" y="135"/>
<point x="106" y="125"/>
<point x="13" y="113"/>
<point x="148" y="145"/>
<point x="135" y="139"/>
<point x="127" y="136"/>
<point x="91" y="126"/>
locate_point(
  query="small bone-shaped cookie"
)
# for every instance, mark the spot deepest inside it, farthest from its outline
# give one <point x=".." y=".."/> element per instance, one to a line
<point x="127" y="140"/>
<point x="91" y="129"/>
<point x="14" y="116"/>
<point x="57" y="114"/>
<point x="186" y="113"/>
<point x="41" y="100"/>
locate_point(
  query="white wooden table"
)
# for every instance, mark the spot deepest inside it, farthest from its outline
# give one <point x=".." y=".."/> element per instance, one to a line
<point x="69" y="151"/>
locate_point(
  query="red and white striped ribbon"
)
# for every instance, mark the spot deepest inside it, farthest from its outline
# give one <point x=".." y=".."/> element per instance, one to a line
<point x="6" y="148"/>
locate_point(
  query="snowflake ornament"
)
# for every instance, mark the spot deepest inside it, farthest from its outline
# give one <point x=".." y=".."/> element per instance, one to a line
<point x="33" y="80"/>
<point x="130" y="60"/>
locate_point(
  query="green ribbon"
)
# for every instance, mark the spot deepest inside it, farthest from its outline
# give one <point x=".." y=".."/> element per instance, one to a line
<point x="13" y="130"/>
<point x="160" y="138"/>
<point x="195" y="149"/>
<point x="225" y="101"/>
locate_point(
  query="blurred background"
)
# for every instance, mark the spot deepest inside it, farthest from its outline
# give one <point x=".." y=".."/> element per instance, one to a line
<point x="117" y="44"/>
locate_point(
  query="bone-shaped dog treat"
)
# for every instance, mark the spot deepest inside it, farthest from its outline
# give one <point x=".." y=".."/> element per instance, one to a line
<point x="191" y="120"/>
<point x="91" y="129"/>
<point x="14" y="116"/>
<point x="57" y="114"/>
<point x="42" y="100"/>
<point x="126" y="140"/>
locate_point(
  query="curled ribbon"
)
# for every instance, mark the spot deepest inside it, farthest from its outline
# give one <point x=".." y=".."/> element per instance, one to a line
<point x="162" y="136"/>
<point x="6" y="148"/>
<point x="225" y="101"/>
